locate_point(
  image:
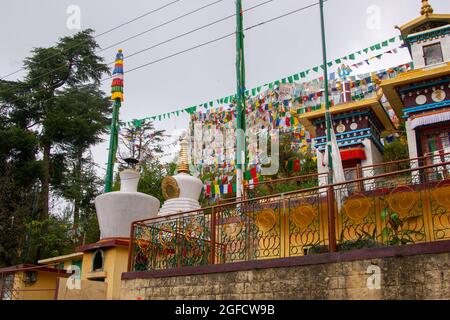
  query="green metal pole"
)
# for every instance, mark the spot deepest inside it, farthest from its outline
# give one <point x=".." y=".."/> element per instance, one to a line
<point x="327" y="99"/>
<point x="241" y="154"/>
<point x="113" y="142"/>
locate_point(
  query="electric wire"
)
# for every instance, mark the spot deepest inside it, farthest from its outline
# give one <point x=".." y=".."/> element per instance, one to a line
<point x="203" y="44"/>
<point x="105" y="32"/>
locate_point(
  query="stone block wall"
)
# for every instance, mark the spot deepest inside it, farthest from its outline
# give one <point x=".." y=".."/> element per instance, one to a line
<point x="425" y="276"/>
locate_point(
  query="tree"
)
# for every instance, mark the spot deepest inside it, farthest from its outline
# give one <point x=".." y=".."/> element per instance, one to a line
<point x="19" y="171"/>
<point x="78" y="122"/>
<point x="141" y="141"/>
<point x="71" y="62"/>
<point x="152" y="177"/>
<point x="48" y="122"/>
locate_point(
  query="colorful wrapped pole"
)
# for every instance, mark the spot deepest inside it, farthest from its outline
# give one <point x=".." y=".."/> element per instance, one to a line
<point x="117" y="97"/>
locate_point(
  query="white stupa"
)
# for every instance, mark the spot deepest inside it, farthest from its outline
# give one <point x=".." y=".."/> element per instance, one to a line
<point x="117" y="210"/>
<point x="181" y="191"/>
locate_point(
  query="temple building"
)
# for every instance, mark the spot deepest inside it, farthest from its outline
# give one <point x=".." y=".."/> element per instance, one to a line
<point x="421" y="97"/>
<point x="358" y="126"/>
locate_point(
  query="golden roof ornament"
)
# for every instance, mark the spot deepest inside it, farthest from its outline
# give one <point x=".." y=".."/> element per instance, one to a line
<point x="426" y="9"/>
<point x="183" y="162"/>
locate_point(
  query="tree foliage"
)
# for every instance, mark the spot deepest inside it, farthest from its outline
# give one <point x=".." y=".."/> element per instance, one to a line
<point x="48" y="122"/>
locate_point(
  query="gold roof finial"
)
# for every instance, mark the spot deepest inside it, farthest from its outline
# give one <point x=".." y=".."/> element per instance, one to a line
<point x="183" y="162"/>
<point x="426" y="9"/>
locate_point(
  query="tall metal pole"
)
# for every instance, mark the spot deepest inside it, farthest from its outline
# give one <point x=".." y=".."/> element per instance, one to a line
<point x="327" y="99"/>
<point x="113" y="142"/>
<point x="117" y="97"/>
<point x="241" y="154"/>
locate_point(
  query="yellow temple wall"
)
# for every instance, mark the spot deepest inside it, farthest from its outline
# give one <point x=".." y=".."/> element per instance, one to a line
<point x="43" y="289"/>
<point x="115" y="262"/>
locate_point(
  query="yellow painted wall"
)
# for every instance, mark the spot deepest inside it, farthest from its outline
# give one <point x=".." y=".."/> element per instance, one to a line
<point x="45" y="280"/>
<point x="115" y="262"/>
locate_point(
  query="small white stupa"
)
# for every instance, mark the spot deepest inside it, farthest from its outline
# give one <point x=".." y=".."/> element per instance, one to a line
<point x="117" y="210"/>
<point x="181" y="191"/>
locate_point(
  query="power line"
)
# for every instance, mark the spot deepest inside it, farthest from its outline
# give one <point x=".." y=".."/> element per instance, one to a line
<point x="205" y="43"/>
<point x="161" y="25"/>
<point x="217" y="39"/>
<point x="106" y="32"/>
<point x="195" y="30"/>
<point x="168" y="40"/>
<point x="138" y="18"/>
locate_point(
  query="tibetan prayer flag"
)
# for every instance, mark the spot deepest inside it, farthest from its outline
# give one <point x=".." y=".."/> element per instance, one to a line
<point x="253" y="173"/>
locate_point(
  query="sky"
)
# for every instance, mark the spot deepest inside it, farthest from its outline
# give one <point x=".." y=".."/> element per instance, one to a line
<point x="272" y="51"/>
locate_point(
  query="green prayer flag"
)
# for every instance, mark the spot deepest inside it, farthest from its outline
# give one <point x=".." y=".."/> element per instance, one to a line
<point x="315" y="69"/>
<point x="330" y="64"/>
<point x="338" y="61"/>
<point x="302" y="74"/>
<point x="254" y="92"/>
<point x="352" y="56"/>
<point x="384" y="43"/>
<point x="291" y="79"/>
<point x="283" y="80"/>
<point x="366" y="50"/>
<point x="271" y="85"/>
<point x="296" y="77"/>
<point x="392" y="40"/>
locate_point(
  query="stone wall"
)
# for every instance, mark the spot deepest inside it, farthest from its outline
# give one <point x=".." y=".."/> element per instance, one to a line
<point x="424" y="276"/>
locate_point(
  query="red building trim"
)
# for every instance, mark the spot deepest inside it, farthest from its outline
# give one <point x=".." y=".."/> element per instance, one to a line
<point x="353" y="154"/>
<point x="105" y="243"/>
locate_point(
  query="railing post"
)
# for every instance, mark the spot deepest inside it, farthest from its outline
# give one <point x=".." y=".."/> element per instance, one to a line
<point x="130" y="248"/>
<point x="212" y="257"/>
<point x="331" y="220"/>
<point x="359" y="176"/>
<point x="2" y="282"/>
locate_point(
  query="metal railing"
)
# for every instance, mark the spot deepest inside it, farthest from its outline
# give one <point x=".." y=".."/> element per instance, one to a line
<point x="392" y="208"/>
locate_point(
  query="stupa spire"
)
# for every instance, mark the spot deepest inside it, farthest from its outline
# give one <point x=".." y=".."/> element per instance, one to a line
<point x="426" y="9"/>
<point x="183" y="162"/>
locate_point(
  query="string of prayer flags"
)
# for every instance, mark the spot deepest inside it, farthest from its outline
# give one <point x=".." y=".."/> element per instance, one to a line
<point x="287" y="80"/>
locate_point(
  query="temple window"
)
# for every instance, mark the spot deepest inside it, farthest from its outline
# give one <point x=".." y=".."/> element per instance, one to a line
<point x="97" y="261"/>
<point x="433" y="54"/>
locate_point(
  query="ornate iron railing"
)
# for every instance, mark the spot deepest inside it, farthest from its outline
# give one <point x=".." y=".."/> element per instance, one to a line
<point x="392" y="208"/>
